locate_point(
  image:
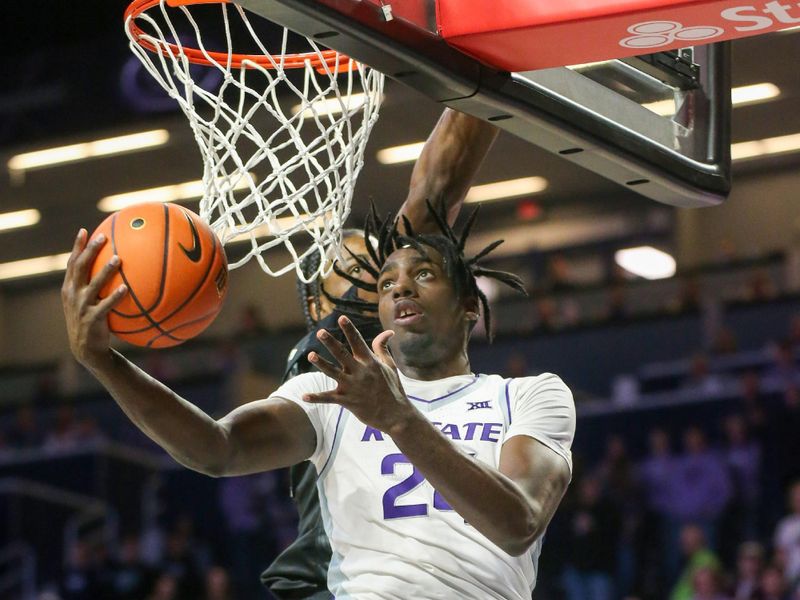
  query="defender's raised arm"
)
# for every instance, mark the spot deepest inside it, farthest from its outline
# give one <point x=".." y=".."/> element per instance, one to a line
<point x="444" y="171"/>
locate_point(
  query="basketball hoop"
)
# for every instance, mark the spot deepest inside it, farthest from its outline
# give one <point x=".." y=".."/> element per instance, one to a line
<point x="283" y="137"/>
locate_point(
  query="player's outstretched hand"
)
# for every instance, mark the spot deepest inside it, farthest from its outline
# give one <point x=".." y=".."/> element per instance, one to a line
<point x="84" y="311"/>
<point x="369" y="385"/>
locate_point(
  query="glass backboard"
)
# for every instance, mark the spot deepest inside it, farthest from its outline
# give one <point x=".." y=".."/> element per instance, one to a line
<point x="657" y="124"/>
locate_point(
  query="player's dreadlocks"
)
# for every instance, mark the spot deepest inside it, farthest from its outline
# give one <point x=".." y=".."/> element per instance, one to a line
<point x="460" y="270"/>
<point x="312" y="291"/>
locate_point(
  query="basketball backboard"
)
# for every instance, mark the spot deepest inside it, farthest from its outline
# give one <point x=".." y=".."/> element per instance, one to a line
<point x="658" y="124"/>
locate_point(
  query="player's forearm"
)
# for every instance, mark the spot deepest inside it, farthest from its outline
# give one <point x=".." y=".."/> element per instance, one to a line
<point x="189" y="435"/>
<point x="482" y="495"/>
<point x="445" y="169"/>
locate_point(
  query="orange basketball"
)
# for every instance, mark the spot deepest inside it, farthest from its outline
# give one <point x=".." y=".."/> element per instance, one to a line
<point x="175" y="269"/>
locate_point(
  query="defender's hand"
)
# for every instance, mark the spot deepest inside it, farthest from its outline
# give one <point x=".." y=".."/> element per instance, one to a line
<point x="84" y="312"/>
<point x="369" y="385"/>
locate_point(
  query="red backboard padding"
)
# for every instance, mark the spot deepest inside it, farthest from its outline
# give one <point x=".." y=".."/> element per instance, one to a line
<point x="523" y="35"/>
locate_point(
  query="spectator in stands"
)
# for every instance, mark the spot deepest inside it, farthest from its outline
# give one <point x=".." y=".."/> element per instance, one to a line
<point x="760" y="287"/>
<point x="592" y="540"/>
<point x="24" y="434"/>
<point x="689" y="298"/>
<point x="750" y="391"/>
<point x="181" y="563"/>
<point x="243" y="507"/>
<point x="546" y="315"/>
<point x="773" y="585"/>
<point x="701" y="381"/>
<point x="63" y="435"/>
<point x="558" y="273"/>
<point x="784" y="373"/>
<point x="749" y="566"/>
<point x="707" y="584"/>
<point x="218" y="585"/>
<point x="617" y="477"/>
<point x="787" y="535"/>
<point x="165" y="588"/>
<point x="617" y="306"/>
<point x="724" y="342"/>
<point x="786" y="425"/>
<point x="79" y="581"/>
<point x="794" y="332"/>
<point x="571" y="312"/>
<point x="87" y="432"/>
<point x="698" y="556"/>
<point x="702" y="490"/>
<point x="743" y="457"/>
<point x="656" y="473"/>
<point x="128" y="577"/>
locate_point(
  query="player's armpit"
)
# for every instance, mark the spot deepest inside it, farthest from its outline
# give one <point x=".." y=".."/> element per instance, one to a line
<point x="266" y="434"/>
<point x="542" y="475"/>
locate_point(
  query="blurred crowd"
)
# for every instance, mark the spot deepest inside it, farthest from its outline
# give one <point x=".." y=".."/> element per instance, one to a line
<point x="574" y="293"/>
<point x="177" y="560"/>
<point x="707" y="512"/>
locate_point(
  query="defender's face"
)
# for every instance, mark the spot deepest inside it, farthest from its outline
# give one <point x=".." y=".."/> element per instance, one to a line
<point x="336" y="285"/>
<point x="417" y="301"/>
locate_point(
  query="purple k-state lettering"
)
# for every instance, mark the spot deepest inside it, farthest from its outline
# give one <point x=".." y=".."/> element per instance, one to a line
<point x="490" y="429"/>
<point x="371" y="433"/>
<point x="489" y="432"/>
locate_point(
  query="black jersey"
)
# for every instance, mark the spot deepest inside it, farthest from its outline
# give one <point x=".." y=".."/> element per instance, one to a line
<point x="301" y="571"/>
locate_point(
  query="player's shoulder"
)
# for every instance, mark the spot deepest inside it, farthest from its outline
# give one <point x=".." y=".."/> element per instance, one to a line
<point x="542" y="386"/>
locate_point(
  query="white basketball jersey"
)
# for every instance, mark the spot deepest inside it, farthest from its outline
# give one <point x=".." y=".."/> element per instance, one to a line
<point x="393" y="536"/>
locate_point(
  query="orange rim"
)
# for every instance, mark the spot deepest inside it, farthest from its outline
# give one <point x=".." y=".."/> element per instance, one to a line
<point x="323" y="61"/>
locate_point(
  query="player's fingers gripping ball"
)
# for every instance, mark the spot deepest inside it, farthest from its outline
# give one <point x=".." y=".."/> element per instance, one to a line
<point x="174" y="267"/>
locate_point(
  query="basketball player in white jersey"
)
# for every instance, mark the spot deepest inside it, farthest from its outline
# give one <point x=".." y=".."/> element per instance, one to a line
<point x="445" y="169"/>
<point x="435" y="482"/>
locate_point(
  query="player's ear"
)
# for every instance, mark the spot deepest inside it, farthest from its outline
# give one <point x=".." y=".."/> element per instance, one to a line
<point x="312" y="308"/>
<point x="319" y="311"/>
<point x="472" y="311"/>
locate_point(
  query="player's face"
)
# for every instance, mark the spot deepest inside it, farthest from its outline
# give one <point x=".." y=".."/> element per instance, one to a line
<point x="417" y="301"/>
<point x="336" y="285"/>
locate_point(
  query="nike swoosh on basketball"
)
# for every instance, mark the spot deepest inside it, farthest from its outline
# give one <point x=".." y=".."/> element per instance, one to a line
<point x="197" y="251"/>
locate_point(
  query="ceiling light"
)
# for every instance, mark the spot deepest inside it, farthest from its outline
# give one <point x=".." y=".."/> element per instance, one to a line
<point x="75" y="152"/>
<point x="740" y="96"/>
<point x="334" y="106"/>
<point x="506" y="189"/>
<point x="774" y="145"/>
<point x="19" y="218"/>
<point x="646" y="261"/>
<point x="168" y="193"/>
<point x="751" y="94"/>
<point x="33" y="266"/>
<point x="400" y="154"/>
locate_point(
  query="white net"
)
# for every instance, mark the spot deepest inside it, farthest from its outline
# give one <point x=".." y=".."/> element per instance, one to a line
<point x="282" y="144"/>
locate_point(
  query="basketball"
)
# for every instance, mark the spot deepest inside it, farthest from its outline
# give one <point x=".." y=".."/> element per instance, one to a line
<point x="175" y="270"/>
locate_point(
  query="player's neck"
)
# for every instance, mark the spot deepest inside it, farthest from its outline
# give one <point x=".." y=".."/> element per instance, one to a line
<point x="424" y="371"/>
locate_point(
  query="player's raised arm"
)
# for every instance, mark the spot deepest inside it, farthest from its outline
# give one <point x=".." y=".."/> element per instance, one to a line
<point x="262" y="435"/>
<point x="444" y="171"/>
